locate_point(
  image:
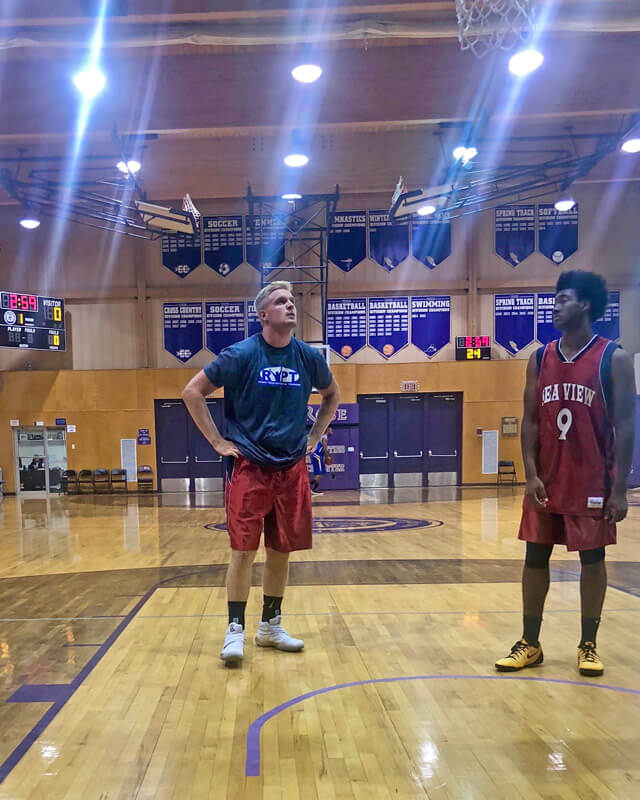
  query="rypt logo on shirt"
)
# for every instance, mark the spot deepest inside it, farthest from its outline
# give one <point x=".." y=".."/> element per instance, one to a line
<point x="279" y="376"/>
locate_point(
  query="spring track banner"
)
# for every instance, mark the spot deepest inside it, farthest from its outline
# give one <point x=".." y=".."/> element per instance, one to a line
<point x="430" y="323"/>
<point x="514" y="321"/>
<point x="557" y="232"/>
<point x="609" y="324"/>
<point x="430" y="240"/>
<point x="181" y="253"/>
<point x="265" y="237"/>
<point x="346" y="325"/>
<point x="515" y="233"/>
<point x="182" y="323"/>
<point x="224" y="324"/>
<point x="223" y="243"/>
<point x="347" y="243"/>
<point x="388" y="243"/>
<point x="388" y="324"/>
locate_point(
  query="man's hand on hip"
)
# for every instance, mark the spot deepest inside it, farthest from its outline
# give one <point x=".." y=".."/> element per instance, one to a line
<point x="225" y="448"/>
<point x="312" y="443"/>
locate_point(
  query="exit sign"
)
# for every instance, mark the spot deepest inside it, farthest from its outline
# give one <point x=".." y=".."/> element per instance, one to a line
<point x="409" y="386"/>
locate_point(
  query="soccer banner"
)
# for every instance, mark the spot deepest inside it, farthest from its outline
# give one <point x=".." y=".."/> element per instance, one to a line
<point x="182" y="324"/>
<point x="557" y="232"/>
<point x="346" y="325"/>
<point x="430" y="323"/>
<point x="430" y="240"/>
<point x="514" y="321"/>
<point x="388" y="242"/>
<point x="181" y="253"/>
<point x="223" y="243"/>
<point x="515" y="233"/>
<point x="347" y="244"/>
<point x="224" y="324"/>
<point x="388" y="324"/>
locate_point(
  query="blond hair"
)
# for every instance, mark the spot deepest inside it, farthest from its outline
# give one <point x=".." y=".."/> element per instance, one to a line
<point x="269" y="288"/>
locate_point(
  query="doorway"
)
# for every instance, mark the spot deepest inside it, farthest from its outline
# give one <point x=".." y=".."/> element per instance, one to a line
<point x="40" y="460"/>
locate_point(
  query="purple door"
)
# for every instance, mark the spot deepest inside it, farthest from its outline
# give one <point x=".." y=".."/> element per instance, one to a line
<point x="443" y="427"/>
<point x="172" y="446"/>
<point x="205" y="463"/>
<point x="343" y="446"/>
<point x="407" y="439"/>
<point x="374" y="440"/>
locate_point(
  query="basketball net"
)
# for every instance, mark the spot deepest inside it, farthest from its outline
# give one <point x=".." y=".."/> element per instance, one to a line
<point x="485" y="25"/>
<point x="189" y="205"/>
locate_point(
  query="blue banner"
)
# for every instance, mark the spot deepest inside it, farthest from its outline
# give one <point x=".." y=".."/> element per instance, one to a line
<point x="346" y="325"/>
<point x="388" y="244"/>
<point x="609" y="323"/>
<point x="515" y="233"/>
<point x="253" y="323"/>
<point x="347" y="243"/>
<point x="265" y="235"/>
<point x="514" y="321"/>
<point x="144" y="437"/>
<point x="223" y="243"/>
<point x="557" y="232"/>
<point x="430" y="323"/>
<point x="430" y="240"/>
<point x="224" y="324"/>
<point x="182" y="329"/>
<point x="388" y="324"/>
<point x="545" y="331"/>
<point x="181" y="253"/>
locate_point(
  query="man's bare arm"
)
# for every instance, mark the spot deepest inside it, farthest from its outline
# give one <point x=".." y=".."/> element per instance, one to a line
<point x="194" y="395"/>
<point x="624" y="394"/>
<point x="535" y="491"/>
<point x="326" y="412"/>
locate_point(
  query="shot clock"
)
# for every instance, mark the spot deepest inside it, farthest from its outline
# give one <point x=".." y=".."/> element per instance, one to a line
<point x="473" y="348"/>
<point x="31" y="321"/>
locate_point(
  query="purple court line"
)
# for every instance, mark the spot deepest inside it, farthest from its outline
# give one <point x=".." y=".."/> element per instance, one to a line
<point x="252" y="763"/>
<point x="13" y="758"/>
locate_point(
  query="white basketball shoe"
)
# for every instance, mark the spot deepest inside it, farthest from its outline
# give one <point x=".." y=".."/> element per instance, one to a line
<point x="272" y="634"/>
<point x="233" y="647"/>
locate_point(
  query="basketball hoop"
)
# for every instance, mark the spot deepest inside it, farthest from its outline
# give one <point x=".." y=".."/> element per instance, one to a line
<point x="189" y="206"/>
<point x="485" y="25"/>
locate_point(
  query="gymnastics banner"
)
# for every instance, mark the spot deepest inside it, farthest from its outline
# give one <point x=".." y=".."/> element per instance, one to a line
<point x="182" y="324"/>
<point x="223" y="243"/>
<point x="514" y="321"/>
<point x="430" y="323"/>
<point x="388" y="242"/>
<point x="347" y="243"/>
<point x="346" y="325"/>
<point x="224" y="324"/>
<point x="388" y="324"/>
<point x="557" y="232"/>
<point x="515" y="233"/>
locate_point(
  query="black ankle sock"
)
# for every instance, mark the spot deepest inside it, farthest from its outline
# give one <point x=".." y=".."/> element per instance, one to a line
<point x="531" y="629"/>
<point x="589" y="630"/>
<point x="236" y="612"/>
<point x="272" y="607"/>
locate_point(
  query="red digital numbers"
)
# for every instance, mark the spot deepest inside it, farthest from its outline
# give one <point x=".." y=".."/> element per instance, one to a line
<point x="13" y="301"/>
<point x="23" y="302"/>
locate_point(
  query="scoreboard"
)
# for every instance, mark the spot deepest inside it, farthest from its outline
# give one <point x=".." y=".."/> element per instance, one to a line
<point x="473" y="348"/>
<point x="31" y="322"/>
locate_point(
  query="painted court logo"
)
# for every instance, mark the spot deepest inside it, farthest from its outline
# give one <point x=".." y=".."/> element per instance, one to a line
<point x="358" y="524"/>
<point x="279" y="376"/>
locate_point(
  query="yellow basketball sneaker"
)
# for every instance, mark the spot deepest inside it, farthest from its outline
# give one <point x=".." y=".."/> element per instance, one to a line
<point x="589" y="661"/>
<point x="522" y="655"/>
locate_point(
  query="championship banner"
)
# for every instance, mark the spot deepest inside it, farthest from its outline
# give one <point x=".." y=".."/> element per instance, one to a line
<point x="388" y="243"/>
<point x="224" y="324"/>
<point x="347" y="241"/>
<point x="223" y="243"/>
<point x="346" y="325"/>
<point x="388" y="324"/>
<point x="609" y="323"/>
<point x="181" y="253"/>
<point x="545" y="330"/>
<point x="557" y="232"/>
<point x="182" y="324"/>
<point x="253" y="323"/>
<point x="430" y="323"/>
<point x="514" y="321"/>
<point x="265" y="237"/>
<point x="430" y="240"/>
<point x="515" y="233"/>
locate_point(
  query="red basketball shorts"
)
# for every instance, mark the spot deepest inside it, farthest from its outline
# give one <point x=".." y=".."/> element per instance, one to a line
<point x="574" y="531"/>
<point x="277" y="499"/>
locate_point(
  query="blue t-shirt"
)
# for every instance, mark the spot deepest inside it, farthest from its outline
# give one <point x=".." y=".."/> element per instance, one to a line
<point x="266" y="391"/>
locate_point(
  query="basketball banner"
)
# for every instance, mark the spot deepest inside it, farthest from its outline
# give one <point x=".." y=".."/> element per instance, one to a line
<point x="514" y="320"/>
<point x="224" y="324"/>
<point x="430" y="240"/>
<point x="388" y="324"/>
<point x="253" y="323"/>
<point x="223" y="243"/>
<point x="182" y="324"/>
<point x="181" y="253"/>
<point x="515" y="228"/>
<point x="346" y="325"/>
<point x="430" y="323"/>
<point x="388" y="242"/>
<point x="347" y="242"/>
<point x="609" y="323"/>
<point x="265" y="237"/>
<point x="557" y="232"/>
<point x="545" y="330"/>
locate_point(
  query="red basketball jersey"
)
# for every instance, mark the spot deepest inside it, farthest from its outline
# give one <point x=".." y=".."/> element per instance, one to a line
<point x="576" y="437"/>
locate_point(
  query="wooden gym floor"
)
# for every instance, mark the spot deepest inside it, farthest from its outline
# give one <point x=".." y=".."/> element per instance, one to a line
<point x="113" y="613"/>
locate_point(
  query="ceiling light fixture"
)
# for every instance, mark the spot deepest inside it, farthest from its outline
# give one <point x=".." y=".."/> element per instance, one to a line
<point x="525" y="62"/>
<point x="306" y="73"/>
